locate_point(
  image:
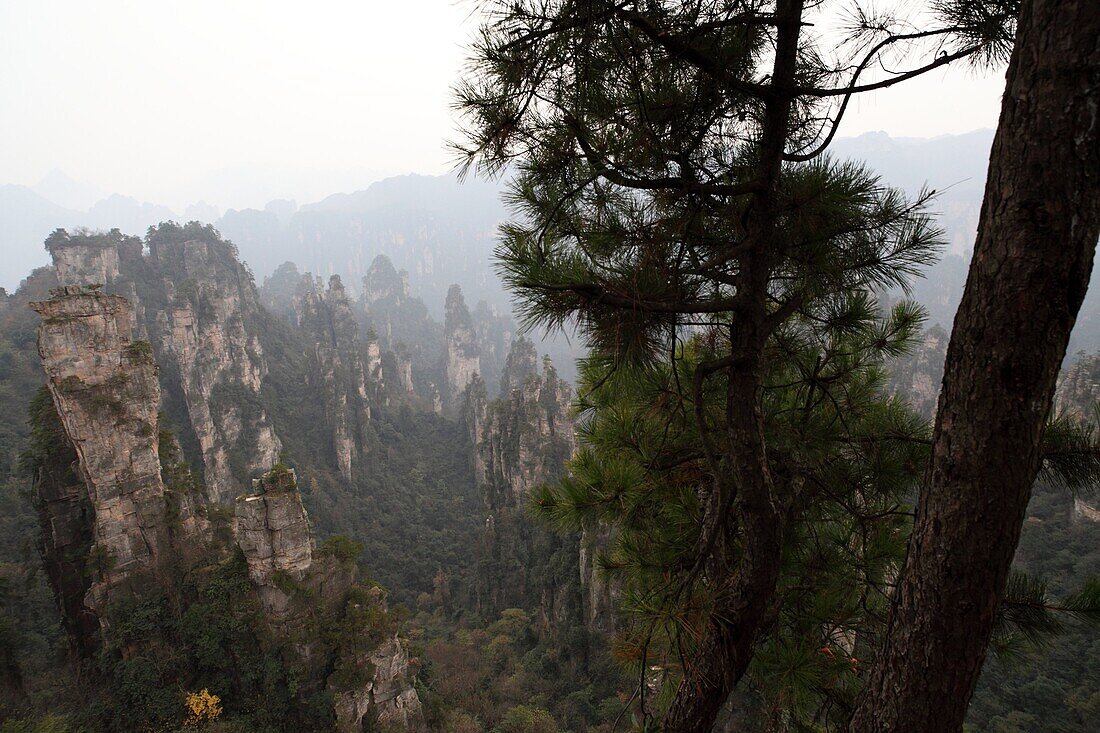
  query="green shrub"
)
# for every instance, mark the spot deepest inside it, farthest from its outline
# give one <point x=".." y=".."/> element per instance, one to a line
<point x="342" y="548"/>
<point x="140" y="350"/>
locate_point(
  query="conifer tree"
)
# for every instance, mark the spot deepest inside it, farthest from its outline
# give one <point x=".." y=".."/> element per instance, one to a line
<point x="846" y="454"/>
<point x="843" y="457"/>
<point x="1032" y="262"/>
<point x="669" y="180"/>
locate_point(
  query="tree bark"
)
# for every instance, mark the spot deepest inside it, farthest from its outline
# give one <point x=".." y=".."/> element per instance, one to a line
<point x="1032" y="260"/>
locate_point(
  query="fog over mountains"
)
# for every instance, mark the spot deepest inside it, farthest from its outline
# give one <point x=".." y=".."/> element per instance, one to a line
<point x="437" y="229"/>
<point x="442" y="231"/>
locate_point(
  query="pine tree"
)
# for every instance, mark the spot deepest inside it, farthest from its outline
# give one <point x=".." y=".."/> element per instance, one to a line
<point x="847" y="459"/>
<point x="1032" y="262"/>
<point x="844" y="458"/>
<point x="669" y="180"/>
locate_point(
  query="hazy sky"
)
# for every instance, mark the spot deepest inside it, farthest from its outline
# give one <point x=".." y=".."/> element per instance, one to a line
<point x="237" y="102"/>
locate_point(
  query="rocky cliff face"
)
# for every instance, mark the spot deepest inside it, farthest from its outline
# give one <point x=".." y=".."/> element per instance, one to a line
<point x="462" y="360"/>
<point x="280" y="291"/>
<point x="408" y="338"/>
<point x="600" y="596"/>
<point x="204" y="329"/>
<point x="475" y="411"/>
<point x="522" y="440"/>
<point x="403" y="367"/>
<point x="528" y="433"/>
<point x="1077" y="396"/>
<point x="66" y="519"/>
<point x="387" y="700"/>
<point x="120" y="524"/>
<point x="495" y="334"/>
<point x="85" y="259"/>
<point x="197" y="306"/>
<point x="1079" y="387"/>
<point x="372" y="684"/>
<point x="121" y="528"/>
<point x="348" y="368"/>
<point x="917" y="376"/>
<point x="106" y="392"/>
<point x="273" y="532"/>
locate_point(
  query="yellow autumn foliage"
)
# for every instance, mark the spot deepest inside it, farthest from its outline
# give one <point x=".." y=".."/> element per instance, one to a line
<point x="202" y="708"/>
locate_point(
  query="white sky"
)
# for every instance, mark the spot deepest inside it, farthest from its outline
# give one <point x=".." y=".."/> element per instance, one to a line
<point x="240" y="101"/>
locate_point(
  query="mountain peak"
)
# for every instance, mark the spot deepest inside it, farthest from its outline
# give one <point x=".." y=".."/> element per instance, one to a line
<point x="61" y="189"/>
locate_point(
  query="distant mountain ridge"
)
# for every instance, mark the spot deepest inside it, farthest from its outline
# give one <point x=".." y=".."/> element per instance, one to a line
<point x="953" y="164"/>
<point x="955" y="161"/>
<point x="438" y="230"/>
<point x="26" y="218"/>
<point x="443" y="232"/>
<point x="66" y="192"/>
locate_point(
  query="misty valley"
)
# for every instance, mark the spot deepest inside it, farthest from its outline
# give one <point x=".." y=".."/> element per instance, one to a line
<point x="316" y="500"/>
<point x="671" y="395"/>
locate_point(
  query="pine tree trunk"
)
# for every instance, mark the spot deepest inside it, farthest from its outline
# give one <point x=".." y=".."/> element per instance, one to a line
<point x="1037" y="234"/>
<point x="744" y="589"/>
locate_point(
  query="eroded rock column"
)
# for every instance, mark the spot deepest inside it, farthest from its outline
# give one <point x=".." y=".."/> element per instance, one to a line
<point x="274" y="534"/>
<point x="105" y="388"/>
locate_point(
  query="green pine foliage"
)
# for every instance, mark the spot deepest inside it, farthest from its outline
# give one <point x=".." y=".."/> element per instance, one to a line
<point x="847" y="457"/>
<point x="847" y="232"/>
<point x="1071" y="461"/>
<point x="851" y="457"/>
<point x="672" y="206"/>
<point x="652" y="274"/>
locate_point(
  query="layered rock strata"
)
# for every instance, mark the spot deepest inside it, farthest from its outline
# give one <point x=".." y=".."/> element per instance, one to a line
<point x="916" y="377"/>
<point x="1079" y="388"/>
<point x="522" y="440"/>
<point x="196" y="304"/>
<point x="600" y="594"/>
<point x="349" y="369"/>
<point x="85" y="259"/>
<point x="462" y="361"/>
<point x="210" y="300"/>
<point x="527" y="435"/>
<point x="388" y="699"/>
<point x="114" y="522"/>
<point x="105" y="388"/>
<point x="274" y="534"/>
